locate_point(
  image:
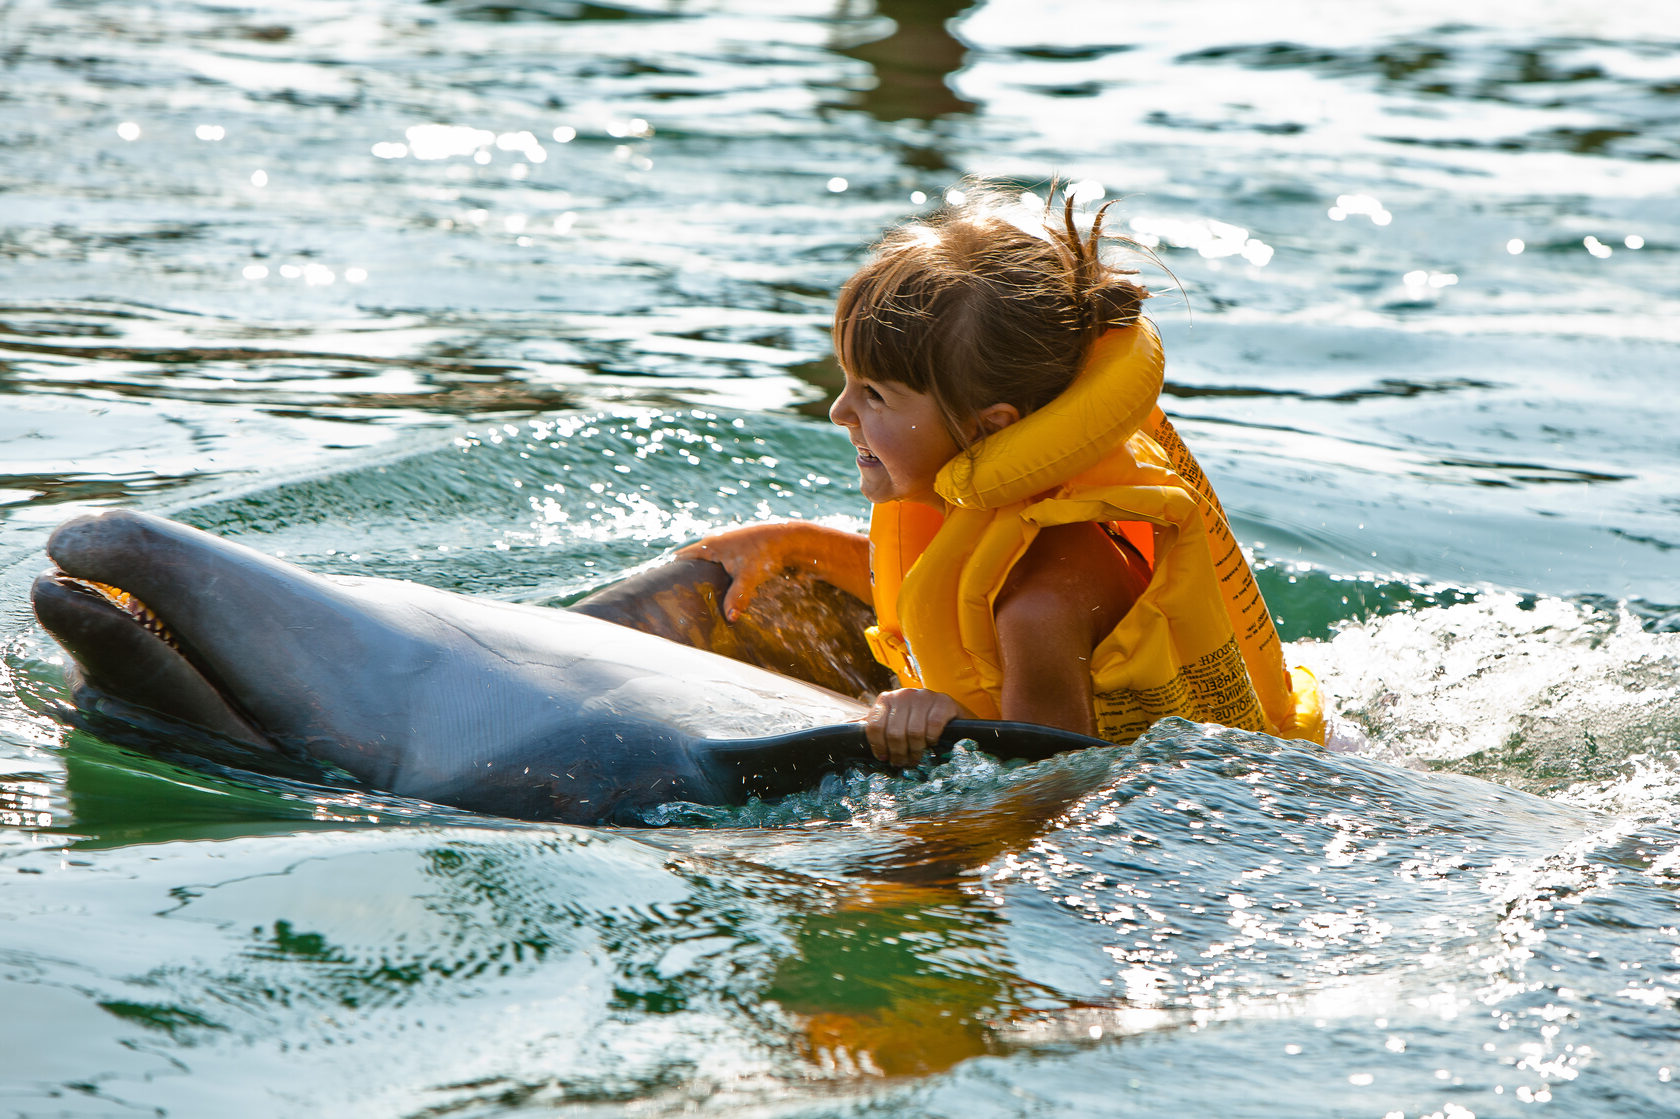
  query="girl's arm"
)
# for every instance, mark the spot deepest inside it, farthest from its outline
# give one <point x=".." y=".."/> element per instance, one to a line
<point x="1068" y="592"/>
<point x="900" y="724"/>
<point x="754" y="554"/>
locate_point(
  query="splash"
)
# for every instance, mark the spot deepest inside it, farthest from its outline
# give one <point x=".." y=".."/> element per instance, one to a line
<point x="1536" y="693"/>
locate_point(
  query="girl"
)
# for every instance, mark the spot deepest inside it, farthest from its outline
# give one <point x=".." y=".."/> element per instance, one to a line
<point x="1042" y="547"/>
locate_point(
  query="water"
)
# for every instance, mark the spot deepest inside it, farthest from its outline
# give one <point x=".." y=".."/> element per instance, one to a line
<point x="514" y="297"/>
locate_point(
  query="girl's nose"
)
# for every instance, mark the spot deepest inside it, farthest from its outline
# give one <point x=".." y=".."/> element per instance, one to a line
<point x="842" y="412"/>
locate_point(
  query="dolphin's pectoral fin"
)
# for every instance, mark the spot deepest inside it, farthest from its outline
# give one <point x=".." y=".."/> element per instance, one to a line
<point x="1028" y="742"/>
<point x="784" y="763"/>
<point x="800" y="627"/>
<point x="788" y="763"/>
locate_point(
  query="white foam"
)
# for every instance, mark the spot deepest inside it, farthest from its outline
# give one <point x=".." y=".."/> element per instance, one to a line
<point x="1543" y="693"/>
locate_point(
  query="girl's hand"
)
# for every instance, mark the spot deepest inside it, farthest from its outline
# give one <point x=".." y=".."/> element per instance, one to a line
<point x="902" y="724"/>
<point x="755" y="554"/>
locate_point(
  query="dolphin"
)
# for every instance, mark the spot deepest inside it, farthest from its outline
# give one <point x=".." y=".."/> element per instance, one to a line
<point x="189" y="644"/>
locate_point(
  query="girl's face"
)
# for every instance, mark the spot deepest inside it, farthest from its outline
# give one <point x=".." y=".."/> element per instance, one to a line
<point x="900" y="437"/>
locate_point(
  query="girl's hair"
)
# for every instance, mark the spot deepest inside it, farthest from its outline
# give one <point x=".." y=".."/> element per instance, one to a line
<point x="970" y="307"/>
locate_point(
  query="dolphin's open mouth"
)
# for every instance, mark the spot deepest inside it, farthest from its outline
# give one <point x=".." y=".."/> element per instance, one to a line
<point x="127" y="603"/>
<point x="126" y="651"/>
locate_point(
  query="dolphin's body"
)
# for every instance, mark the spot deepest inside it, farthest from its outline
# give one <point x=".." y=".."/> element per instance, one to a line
<point x="196" y="643"/>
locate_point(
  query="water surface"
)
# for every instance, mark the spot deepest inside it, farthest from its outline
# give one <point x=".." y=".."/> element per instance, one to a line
<point x="514" y="297"/>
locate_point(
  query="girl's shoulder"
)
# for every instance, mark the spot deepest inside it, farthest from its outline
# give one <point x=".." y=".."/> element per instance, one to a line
<point x="1073" y="571"/>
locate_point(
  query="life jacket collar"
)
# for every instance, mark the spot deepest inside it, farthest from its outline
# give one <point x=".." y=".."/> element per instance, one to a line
<point x="1110" y="399"/>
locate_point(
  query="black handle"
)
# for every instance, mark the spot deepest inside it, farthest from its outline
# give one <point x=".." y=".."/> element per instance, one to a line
<point x="786" y="763"/>
<point x="1024" y="741"/>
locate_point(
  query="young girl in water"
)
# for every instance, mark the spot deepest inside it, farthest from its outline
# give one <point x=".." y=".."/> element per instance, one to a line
<point x="1042" y="548"/>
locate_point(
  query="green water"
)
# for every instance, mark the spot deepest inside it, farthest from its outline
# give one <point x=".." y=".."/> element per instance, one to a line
<point x="514" y="298"/>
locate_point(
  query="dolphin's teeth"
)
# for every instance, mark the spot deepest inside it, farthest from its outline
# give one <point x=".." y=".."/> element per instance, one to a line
<point x="134" y="608"/>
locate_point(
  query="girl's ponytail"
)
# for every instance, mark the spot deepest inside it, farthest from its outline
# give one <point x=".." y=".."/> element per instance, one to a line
<point x="1107" y="296"/>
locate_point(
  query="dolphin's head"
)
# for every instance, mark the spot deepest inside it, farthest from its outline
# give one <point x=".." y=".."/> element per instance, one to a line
<point x="171" y="627"/>
<point x="128" y="650"/>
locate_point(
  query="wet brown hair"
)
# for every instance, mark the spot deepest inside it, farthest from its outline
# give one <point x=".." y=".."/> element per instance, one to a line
<point x="971" y="308"/>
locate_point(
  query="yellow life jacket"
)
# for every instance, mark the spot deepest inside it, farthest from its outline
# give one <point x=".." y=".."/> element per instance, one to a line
<point x="1198" y="643"/>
